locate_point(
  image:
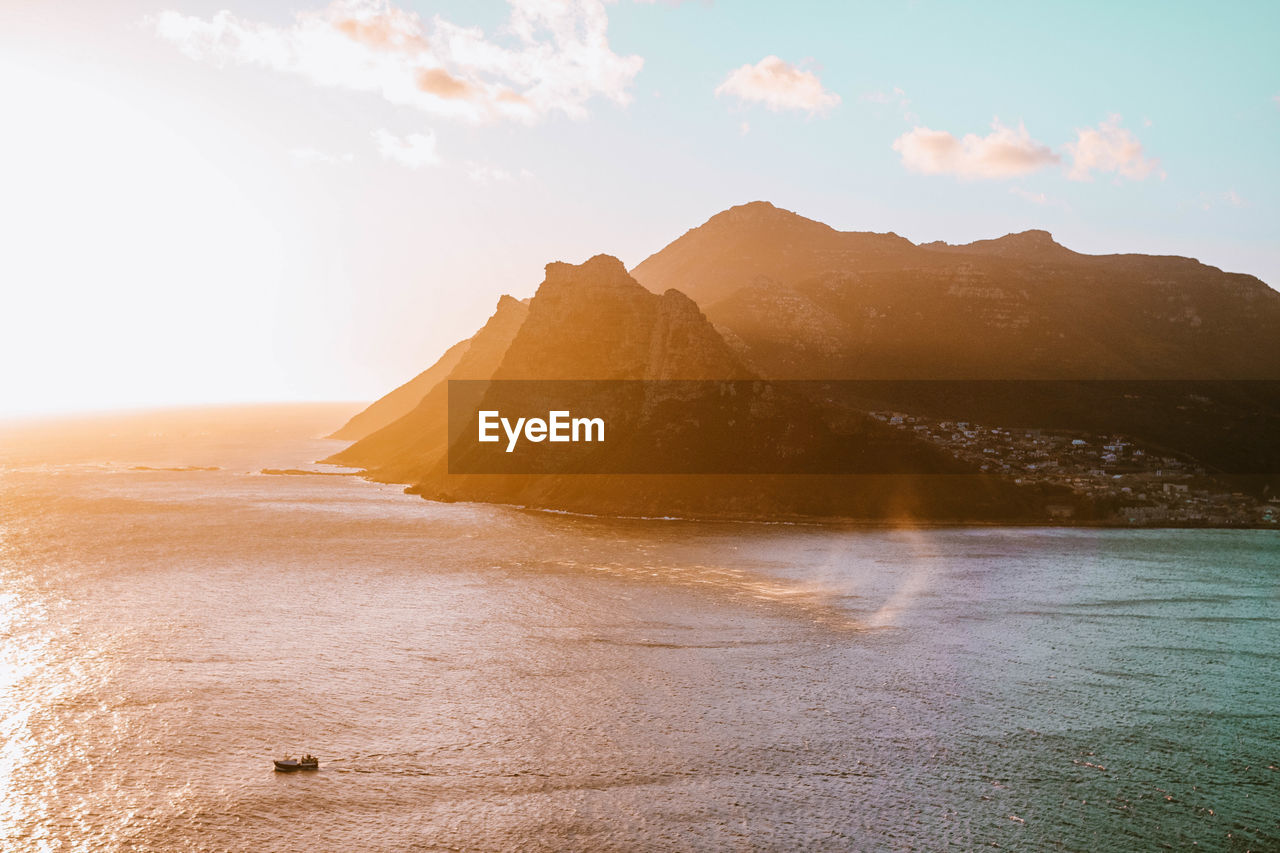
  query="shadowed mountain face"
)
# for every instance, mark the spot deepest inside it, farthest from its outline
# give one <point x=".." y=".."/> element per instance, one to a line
<point x="802" y="300"/>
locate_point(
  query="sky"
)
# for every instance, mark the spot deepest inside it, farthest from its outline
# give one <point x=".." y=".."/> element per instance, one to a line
<point x="252" y="200"/>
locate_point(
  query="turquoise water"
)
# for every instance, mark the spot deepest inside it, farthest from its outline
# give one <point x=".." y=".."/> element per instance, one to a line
<point x="486" y="678"/>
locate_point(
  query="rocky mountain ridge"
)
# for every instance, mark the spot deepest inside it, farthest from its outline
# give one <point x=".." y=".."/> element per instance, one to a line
<point x="806" y="301"/>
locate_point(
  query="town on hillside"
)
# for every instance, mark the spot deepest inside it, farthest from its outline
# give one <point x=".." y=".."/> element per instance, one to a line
<point x="1138" y="485"/>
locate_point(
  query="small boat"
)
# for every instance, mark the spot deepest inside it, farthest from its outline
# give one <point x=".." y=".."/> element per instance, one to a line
<point x="289" y="765"/>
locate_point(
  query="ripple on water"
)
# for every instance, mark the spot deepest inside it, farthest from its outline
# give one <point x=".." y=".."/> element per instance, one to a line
<point x="483" y="678"/>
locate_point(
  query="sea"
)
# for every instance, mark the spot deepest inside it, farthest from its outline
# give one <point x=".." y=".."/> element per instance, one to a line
<point x="491" y="678"/>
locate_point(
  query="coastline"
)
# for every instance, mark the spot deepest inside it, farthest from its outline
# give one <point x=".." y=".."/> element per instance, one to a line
<point x="830" y="522"/>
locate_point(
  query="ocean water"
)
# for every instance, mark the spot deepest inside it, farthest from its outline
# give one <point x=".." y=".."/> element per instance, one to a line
<point x="488" y="678"/>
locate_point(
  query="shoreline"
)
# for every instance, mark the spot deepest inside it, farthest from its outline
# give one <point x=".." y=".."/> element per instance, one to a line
<point x="829" y="522"/>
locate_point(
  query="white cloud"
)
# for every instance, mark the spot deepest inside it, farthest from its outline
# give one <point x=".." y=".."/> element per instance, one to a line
<point x="1109" y="148"/>
<point x="558" y="59"/>
<point x="1004" y="153"/>
<point x="779" y="86"/>
<point x="417" y="150"/>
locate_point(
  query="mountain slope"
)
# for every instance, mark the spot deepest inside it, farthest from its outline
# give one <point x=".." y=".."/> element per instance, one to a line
<point x="410" y="445"/>
<point x="398" y="403"/>
<point x="807" y="301"/>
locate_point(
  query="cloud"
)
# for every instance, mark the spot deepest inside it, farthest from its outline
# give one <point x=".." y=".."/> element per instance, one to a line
<point x="1004" y="153"/>
<point x="442" y="84"/>
<point x="555" y="57"/>
<point x="417" y="150"/>
<point x="381" y="28"/>
<point x="779" y="86"/>
<point x="1109" y="148"/>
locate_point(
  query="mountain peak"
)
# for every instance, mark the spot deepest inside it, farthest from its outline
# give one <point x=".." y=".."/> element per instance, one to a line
<point x="594" y="321"/>
<point x="729" y="250"/>
<point x="1034" y="239"/>
<point x="597" y="270"/>
<point x="1032" y="243"/>
<point x="762" y="213"/>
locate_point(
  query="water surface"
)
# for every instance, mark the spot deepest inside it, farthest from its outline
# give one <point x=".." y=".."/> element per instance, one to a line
<point x="486" y="678"/>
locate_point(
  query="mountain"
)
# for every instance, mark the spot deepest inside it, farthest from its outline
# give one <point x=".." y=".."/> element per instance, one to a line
<point x="593" y="321"/>
<point x="802" y="300"/>
<point x="402" y="450"/>
<point x="400" y="402"/>
<point x="1028" y="245"/>
<point x="757" y="240"/>
<point x="1057" y="341"/>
